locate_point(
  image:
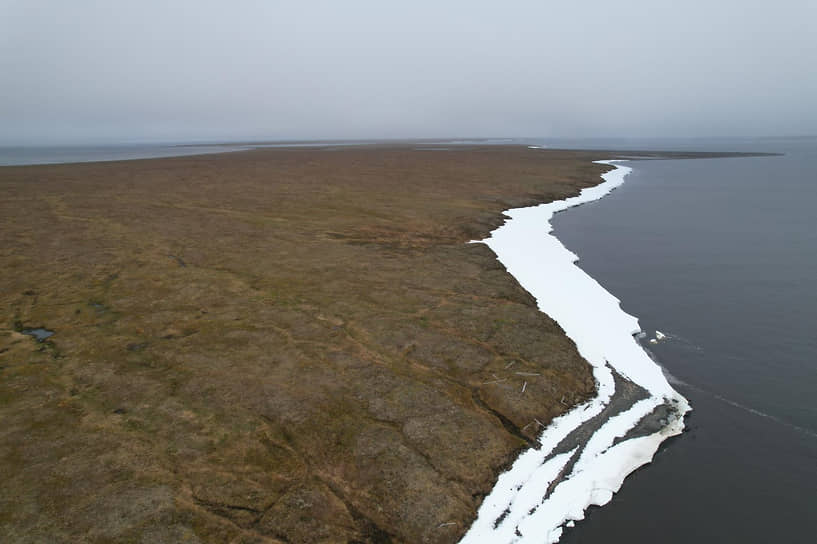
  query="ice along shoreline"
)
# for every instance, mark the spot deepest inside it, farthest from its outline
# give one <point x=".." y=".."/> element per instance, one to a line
<point x="586" y="453"/>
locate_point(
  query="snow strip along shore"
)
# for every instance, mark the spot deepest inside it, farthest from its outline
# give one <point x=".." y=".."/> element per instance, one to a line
<point x="585" y="454"/>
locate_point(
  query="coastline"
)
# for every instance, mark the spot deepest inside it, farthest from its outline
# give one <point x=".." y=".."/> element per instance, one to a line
<point x="269" y="301"/>
<point x="20" y="155"/>
<point x="635" y="410"/>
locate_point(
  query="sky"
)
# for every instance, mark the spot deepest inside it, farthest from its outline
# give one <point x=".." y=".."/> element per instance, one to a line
<point x="153" y="71"/>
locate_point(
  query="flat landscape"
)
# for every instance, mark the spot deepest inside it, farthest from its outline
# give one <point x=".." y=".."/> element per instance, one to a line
<point x="278" y="345"/>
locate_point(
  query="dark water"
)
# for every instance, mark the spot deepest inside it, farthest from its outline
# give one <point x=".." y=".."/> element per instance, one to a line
<point x="721" y="254"/>
<point x="40" y="334"/>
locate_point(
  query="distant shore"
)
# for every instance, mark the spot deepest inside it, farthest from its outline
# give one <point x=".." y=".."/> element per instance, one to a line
<point x="67" y="154"/>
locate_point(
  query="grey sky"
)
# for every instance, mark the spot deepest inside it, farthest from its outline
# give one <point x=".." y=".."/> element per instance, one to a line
<point x="83" y="71"/>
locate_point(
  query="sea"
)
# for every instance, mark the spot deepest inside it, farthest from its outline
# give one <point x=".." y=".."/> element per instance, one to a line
<point x="719" y="255"/>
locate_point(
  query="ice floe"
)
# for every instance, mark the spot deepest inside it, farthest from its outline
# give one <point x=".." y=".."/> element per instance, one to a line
<point x="550" y="487"/>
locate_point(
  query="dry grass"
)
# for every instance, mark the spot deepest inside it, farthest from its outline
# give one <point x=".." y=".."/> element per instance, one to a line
<point x="270" y="346"/>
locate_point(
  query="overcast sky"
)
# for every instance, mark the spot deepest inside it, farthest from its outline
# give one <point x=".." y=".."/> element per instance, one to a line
<point x="117" y="71"/>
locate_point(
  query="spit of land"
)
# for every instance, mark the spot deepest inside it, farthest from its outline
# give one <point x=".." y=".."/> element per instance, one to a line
<point x="278" y="345"/>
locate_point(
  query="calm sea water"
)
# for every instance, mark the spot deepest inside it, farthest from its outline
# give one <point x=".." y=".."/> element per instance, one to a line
<point x="721" y="254"/>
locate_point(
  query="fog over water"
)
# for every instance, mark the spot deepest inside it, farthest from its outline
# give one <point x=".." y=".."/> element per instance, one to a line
<point x="87" y="72"/>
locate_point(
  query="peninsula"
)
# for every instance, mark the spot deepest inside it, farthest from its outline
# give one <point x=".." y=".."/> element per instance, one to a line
<point x="275" y="345"/>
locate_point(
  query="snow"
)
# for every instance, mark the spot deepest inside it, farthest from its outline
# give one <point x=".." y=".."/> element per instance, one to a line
<point x="519" y="509"/>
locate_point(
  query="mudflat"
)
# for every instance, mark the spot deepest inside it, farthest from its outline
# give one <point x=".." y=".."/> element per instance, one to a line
<point x="279" y="345"/>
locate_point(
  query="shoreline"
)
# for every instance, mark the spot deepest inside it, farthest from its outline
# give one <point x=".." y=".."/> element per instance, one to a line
<point x="282" y="286"/>
<point x="634" y="411"/>
<point x="21" y="155"/>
